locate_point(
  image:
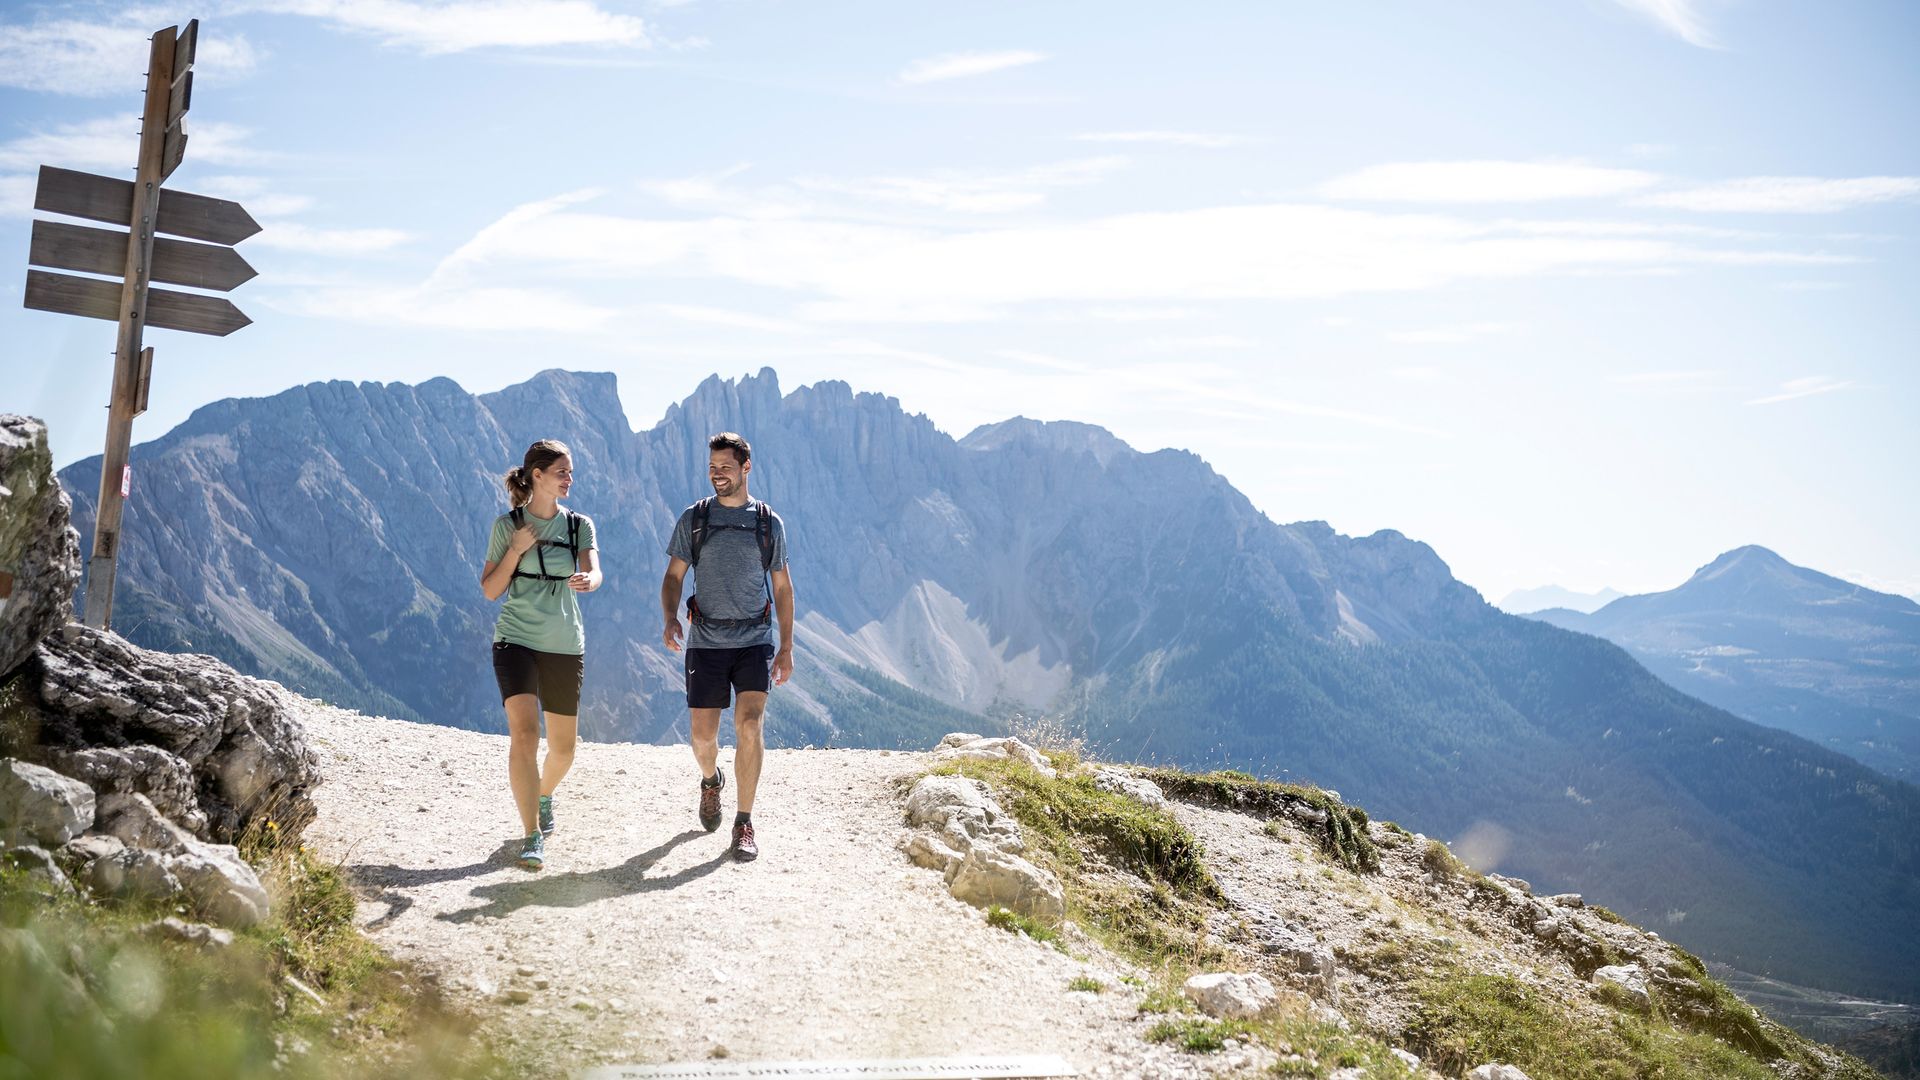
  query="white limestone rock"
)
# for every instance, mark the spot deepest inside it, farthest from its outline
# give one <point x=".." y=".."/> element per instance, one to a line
<point x="39" y="806"/>
<point x="1230" y="995"/>
<point x="988" y="876"/>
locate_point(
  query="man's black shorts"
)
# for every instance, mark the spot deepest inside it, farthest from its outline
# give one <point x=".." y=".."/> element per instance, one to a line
<point x="714" y="675"/>
<point x="554" y="678"/>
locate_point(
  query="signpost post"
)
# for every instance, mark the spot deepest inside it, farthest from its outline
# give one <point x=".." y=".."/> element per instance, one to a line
<point x="138" y="257"/>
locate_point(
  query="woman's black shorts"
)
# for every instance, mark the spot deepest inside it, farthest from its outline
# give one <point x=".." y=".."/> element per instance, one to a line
<point x="554" y="678"/>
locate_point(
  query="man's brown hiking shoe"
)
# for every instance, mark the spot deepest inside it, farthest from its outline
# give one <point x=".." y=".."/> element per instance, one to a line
<point x="710" y="800"/>
<point x="744" y="849"/>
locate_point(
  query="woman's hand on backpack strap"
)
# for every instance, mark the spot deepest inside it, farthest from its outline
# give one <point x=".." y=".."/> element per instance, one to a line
<point x="523" y="540"/>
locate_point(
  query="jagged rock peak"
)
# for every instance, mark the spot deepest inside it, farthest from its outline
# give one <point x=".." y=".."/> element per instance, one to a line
<point x="1058" y="435"/>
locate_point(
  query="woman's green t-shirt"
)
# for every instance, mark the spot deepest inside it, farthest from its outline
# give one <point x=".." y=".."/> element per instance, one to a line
<point x="542" y="615"/>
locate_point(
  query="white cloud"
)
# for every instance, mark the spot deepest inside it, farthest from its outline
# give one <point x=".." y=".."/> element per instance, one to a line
<point x="69" y="56"/>
<point x="1664" y="378"/>
<point x="1197" y="341"/>
<point x="971" y="193"/>
<point x="16" y="196"/>
<point x="851" y="270"/>
<point x="457" y="26"/>
<point x="1788" y="194"/>
<point x="1679" y="17"/>
<point x="965" y="64"/>
<point x="484" y="310"/>
<point x="1806" y="387"/>
<point x="713" y="316"/>
<point x="110" y="145"/>
<point x="314" y="240"/>
<point x="1458" y="334"/>
<point x="1207" y="140"/>
<point x="1484" y="182"/>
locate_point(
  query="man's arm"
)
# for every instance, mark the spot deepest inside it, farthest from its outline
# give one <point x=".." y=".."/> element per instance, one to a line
<point x="783" y="608"/>
<point x="670" y="601"/>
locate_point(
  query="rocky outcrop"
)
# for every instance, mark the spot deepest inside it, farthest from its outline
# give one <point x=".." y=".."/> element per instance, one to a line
<point x="126" y="770"/>
<point x="211" y="750"/>
<point x="39" y="550"/>
<point x="977" y="847"/>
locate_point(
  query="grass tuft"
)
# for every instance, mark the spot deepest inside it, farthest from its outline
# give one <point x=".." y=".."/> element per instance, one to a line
<point x="1342" y="836"/>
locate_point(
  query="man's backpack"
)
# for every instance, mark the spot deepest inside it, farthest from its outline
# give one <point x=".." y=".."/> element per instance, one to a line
<point x="762" y="530"/>
<point x="519" y="518"/>
<point x="701" y="527"/>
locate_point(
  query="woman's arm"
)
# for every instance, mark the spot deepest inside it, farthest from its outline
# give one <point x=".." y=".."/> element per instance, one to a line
<point x="589" y="577"/>
<point x="496" y="576"/>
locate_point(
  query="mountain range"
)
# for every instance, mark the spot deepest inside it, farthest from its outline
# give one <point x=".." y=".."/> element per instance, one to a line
<point x="331" y="537"/>
<point x="1528" y="601"/>
<point x="1785" y="646"/>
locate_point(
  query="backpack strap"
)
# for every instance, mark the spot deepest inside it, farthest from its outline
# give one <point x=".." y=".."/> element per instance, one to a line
<point x="763" y="529"/>
<point x="702" y="511"/>
<point x="573" y="538"/>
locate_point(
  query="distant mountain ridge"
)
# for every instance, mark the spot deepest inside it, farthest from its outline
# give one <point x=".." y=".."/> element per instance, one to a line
<point x="1785" y="646"/>
<point x="1528" y="601"/>
<point x="330" y="537"/>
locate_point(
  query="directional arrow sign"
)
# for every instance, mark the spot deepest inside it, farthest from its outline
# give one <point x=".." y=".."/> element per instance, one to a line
<point x="102" y="198"/>
<point x="172" y="150"/>
<point x="166" y="309"/>
<point x="104" y="251"/>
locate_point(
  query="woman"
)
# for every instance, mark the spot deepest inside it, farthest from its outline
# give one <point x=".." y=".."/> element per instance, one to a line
<point x="540" y="555"/>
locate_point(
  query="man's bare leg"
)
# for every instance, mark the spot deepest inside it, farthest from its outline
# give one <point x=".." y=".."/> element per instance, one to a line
<point x="748" y="709"/>
<point x="703" y="725"/>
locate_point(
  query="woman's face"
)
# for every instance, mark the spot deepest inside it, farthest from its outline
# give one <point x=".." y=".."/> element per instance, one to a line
<point x="556" y="479"/>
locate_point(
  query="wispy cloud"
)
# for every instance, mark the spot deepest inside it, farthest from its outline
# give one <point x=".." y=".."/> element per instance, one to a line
<point x="1664" y="378"/>
<point x="971" y="192"/>
<point x="962" y="65"/>
<point x="1679" y="17"/>
<point x="487" y="310"/>
<point x="851" y="270"/>
<point x="110" y="145"/>
<point x="1484" y="182"/>
<point x="95" y="59"/>
<point x="713" y="316"/>
<point x="1799" y="388"/>
<point x="1787" y="194"/>
<point x="1459" y="334"/>
<point x="317" y="240"/>
<point x="1210" y="141"/>
<point x="458" y="26"/>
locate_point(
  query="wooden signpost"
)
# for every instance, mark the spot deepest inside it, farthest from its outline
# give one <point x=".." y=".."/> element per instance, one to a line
<point x="136" y="256"/>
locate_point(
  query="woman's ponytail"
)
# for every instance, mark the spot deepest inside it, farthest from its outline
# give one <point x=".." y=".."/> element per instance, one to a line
<point x="519" y="486"/>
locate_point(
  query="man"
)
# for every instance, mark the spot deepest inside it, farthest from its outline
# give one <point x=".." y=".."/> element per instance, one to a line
<point x="737" y="549"/>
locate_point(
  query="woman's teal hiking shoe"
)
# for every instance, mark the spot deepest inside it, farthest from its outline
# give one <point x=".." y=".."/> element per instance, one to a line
<point x="546" y="814"/>
<point x="533" y="853"/>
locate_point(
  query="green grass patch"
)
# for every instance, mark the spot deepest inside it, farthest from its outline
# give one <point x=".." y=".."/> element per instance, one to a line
<point x="1155" y="912"/>
<point x="89" y="995"/>
<point x="1465" y="1020"/>
<point x="1087" y="984"/>
<point x="1441" y="862"/>
<point x="1342" y="836"/>
<point x="1015" y="923"/>
<point x="1199" y="1035"/>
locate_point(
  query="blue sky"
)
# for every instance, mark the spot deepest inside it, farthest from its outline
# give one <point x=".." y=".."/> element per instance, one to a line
<point x="1581" y="292"/>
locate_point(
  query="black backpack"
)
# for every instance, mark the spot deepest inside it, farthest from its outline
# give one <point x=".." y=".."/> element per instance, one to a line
<point x="519" y="518"/>
<point x="762" y="528"/>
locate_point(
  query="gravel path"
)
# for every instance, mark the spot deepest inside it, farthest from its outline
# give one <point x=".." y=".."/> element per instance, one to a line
<point x="643" y="942"/>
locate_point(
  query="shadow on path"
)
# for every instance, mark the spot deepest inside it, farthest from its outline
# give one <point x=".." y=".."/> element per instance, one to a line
<point x="388" y="880"/>
<point x="580" y="888"/>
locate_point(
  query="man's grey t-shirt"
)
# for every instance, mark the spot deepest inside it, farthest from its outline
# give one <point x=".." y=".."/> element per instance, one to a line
<point x="728" y="579"/>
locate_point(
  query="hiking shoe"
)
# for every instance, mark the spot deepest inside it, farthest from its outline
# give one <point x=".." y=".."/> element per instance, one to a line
<point x="533" y="853"/>
<point x="546" y="814"/>
<point x="744" y="849"/>
<point x="710" y="800"/>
